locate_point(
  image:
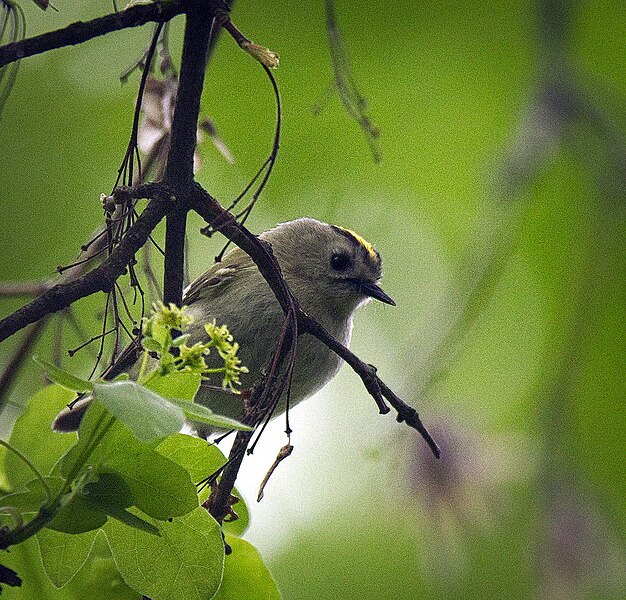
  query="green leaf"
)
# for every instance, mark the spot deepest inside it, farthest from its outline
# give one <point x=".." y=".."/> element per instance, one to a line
<point x="95" y="420"/>
<point x="177" y="384"/>
<point x="4" y="482"/>
<point x="98" y="578"/>
<point x="109" y="490"/>
<point x="160" y="487"/>
<point x="245" y="574"/>
<point x="149" y="416"/>
<point x="184" y="563"/>
<point x="25" y="559"/>
<point x="63" y="555"/>
<point x="197" y="456"/>
<point x="133" y="520"/>
<point x="33" y="496"/>
<point x="112" y="495"/>
<point x="101" y="580"/>
<point x="63" y="378"/>
<point x="197" y="412"/>
<point x="151" y="345"/>
<point x="34" y="424"/>
<point x="201" y="459"/>
<point x="78" y="516"/>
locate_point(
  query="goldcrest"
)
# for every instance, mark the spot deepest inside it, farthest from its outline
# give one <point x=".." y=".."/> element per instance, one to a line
<point x="332" y="271"/>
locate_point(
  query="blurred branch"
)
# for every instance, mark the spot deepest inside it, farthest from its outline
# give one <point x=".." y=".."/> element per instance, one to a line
<point x="13" y="24"/>
<point x="554" y="25"/>
<point x="98" y="244"/>
<point x="345" y="84"/>
<point x="486" y="257"/>
<point x="102" y="278"/>
<point x="13" y="365"/>
<point x="576" y="542"/>
<point x="557" y="103"/>
<point x="22" y="288"/>
<point x="158" y="11"/>
<point x="575" y="534"/>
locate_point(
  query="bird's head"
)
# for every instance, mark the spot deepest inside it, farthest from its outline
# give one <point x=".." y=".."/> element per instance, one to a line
<point x="327" y="266"/>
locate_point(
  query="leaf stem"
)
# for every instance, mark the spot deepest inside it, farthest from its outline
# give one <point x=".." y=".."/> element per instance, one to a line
<point x="98" y="434"/>
<point x="50" y="509"/>
<point x="31" y="466"/>
<point x="142" y="370"/>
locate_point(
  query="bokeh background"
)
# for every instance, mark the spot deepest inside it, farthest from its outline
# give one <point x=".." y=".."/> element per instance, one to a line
<point x="498" y="207"/>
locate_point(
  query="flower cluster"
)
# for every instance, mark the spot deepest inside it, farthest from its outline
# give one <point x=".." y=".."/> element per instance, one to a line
<point x="222" y="339"/>
<point x="174" y="354"/>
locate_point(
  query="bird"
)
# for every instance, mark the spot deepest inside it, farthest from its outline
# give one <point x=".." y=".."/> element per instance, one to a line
<point x="331" y="270"/>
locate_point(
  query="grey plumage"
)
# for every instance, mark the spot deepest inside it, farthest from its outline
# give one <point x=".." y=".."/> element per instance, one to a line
<point x="331" y="271"/>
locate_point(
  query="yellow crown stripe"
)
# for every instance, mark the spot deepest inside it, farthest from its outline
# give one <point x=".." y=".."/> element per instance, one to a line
<point x="363" y="242"/>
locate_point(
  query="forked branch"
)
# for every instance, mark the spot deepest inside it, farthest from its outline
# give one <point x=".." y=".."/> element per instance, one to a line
<point x="178" y="194"/>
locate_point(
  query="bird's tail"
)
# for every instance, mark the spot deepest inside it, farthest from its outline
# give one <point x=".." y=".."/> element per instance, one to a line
<point x="70" y="417"/>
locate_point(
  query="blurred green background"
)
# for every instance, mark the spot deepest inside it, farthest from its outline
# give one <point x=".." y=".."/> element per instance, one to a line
<point x="498" y="207"/>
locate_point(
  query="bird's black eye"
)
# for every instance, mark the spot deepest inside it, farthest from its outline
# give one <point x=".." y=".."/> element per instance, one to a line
<point x="340" y="262"/>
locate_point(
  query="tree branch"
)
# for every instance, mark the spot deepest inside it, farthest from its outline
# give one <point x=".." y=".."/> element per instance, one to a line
<point x="218" y="505"/>
<point x="198" y="28"/>
<point x="261" y="253"/>
<point x="77" y="33"/>
<point x="179" y="167"/>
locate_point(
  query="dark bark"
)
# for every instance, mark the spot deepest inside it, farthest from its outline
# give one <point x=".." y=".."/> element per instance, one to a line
<point x="179" y="168"/>
<point x="80" y="32"/>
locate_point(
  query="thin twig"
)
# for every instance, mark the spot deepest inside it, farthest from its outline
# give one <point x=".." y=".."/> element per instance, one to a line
<point x="95" y="338"/>
<point x="158" y="11"/>
<point x="74" y="323"/>
<point x="17" y="31"/>
<point x="101" y="278"/>
<point x="267" y="166"/>
<point x="131" y="150"/>
<point x="283" y="453"/>
<point x="102" y="336"/>
<point x="82" y="261"/>
<point x="268" y="60"/>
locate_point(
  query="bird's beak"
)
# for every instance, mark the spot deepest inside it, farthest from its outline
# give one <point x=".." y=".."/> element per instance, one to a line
<point x="373" y="290"/>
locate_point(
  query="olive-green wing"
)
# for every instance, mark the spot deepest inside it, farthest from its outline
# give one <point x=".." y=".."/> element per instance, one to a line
<point x="216" y="280"/>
